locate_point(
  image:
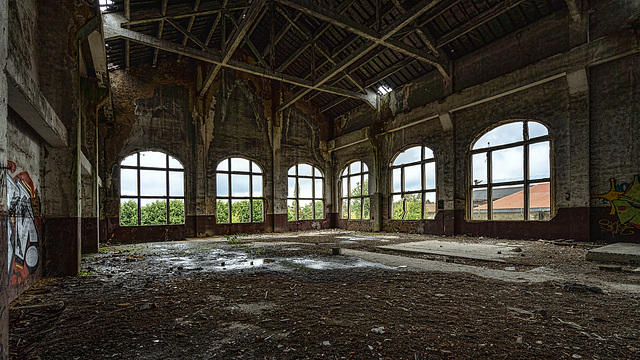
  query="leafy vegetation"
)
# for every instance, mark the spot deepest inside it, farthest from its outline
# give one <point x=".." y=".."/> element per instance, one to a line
<point x="154" y="213"/>
<point x="240" y="211"/>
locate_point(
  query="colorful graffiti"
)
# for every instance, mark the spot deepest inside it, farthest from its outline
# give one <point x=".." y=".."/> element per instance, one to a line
<point x="625" y="203"/>
<point x="23" y="223"/>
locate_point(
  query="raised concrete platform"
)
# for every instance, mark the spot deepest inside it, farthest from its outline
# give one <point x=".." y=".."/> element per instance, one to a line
<point x="625" y="253"/>
<point x="484" y="252"/>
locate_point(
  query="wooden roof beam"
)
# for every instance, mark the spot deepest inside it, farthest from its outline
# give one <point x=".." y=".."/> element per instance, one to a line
<point x="235" y="40"/>
<point x="208" y="8"/>
<point x="192" y="19"/>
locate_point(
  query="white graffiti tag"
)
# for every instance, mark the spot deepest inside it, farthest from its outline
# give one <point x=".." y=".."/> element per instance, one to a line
<point x="22" y="233"/>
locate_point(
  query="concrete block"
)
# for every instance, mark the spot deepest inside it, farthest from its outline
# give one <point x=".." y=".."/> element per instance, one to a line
<point x="627" y="253"/>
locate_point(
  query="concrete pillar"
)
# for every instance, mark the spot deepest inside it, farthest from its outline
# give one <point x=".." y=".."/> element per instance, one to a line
<point x="579" y="199"/>
<point x="4" y="266"/>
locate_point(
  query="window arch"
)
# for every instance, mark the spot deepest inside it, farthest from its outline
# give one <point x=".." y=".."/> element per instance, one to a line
<point x="239" y="191"/>
<point x="413" y="184"/>
<point x="149" y="180"/>
<point x="354" y="181"/>
<point x="511" y="166"/>
<point x="305" y="193"/>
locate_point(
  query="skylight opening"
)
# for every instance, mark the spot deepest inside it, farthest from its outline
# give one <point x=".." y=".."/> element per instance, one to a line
<point x="105" y="4"/>
<point x="384" y="89"/>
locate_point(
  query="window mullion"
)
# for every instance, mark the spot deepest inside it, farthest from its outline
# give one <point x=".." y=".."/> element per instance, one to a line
<point x="489" y="186"/>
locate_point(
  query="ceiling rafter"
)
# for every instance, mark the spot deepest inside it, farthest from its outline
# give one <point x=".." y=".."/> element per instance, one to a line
<point x="365" y="32"/>
<point x="113" y="30"/>
<point x="481" y="19"/>
<point x="163" y="11"/>
<point x="192" y="19"/>
<point x="249" y="43"/>
<point x="146" y="17"/>
<point x="234" y="41"/>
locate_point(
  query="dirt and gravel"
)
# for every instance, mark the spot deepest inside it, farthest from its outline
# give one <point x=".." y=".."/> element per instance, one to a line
<point x="285" y="296"/>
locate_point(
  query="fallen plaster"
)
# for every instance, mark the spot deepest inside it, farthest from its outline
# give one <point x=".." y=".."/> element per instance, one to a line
<point x="486" y="252"/>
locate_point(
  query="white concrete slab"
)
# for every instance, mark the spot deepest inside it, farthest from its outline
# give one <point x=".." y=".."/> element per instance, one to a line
<point x="627" y="253"/>
<point x="484" y="252"/>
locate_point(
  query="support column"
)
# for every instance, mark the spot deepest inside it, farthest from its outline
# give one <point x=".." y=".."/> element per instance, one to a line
<point x="580" y="154"/>
<point x="4" y="266"/>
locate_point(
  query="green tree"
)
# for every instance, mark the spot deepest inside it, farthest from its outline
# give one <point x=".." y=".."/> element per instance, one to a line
<point x="222" y="211"/>
<point x="408" y="208"/>
<point x="129" y="213"/>
<point x="240" y="212"/>
<point x="176" y="212"/>
<point x="292" y="209"/>
<point x="154" y="213"/>
<point x="319" y="209"/>
<point x="258" y="213"/>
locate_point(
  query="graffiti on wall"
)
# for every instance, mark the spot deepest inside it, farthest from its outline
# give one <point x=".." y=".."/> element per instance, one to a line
<point x="23" y="222"/>
<point x="624" y="199"/>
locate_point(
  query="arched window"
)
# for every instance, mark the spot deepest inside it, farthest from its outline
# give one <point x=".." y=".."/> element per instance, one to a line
<point x="305" y="194"/>
<point x="413" y="185"/>
<point x="149" y="180"/>
<point x="239" y="195"/>
<point x="354" y="181"/>
<point x="511" y="165"/>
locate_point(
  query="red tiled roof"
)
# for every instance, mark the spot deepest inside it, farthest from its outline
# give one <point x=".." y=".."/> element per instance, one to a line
<point x="539" y="198"/>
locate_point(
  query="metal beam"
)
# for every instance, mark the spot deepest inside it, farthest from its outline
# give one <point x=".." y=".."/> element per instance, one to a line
<point x="235" y="40"/>
<point x="192" y="19"/>
<point x="113" y="31"/>
<point x="145" y="17"/>
<point x="384" y="38"/>
<point x="482" y="18"/>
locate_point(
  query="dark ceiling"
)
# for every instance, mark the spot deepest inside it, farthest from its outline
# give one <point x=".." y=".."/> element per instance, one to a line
<point x="351" y="45"/>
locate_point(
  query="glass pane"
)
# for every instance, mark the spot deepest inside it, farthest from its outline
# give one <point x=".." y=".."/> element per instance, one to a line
<point x="153" y="212"/>
<point x="397" y="208"/>
<point x="305" y="186"/>
<point x="507" y="202"/>
<point x="396" y="180"/>
<point x="364" y="167"/>
<point x="430" y="205"/>
<point x="430" y="176"/>
<point x="292" y="170"/>
<point x="175" y="164"/>
<point x="479" y="166"/>
<point x="291" y="188"/>
<point x="255" y="168"/>
<point x="306" y="210"/>
<point x="318" y="189"/>
<point x="355" y="209"/>
<point x="305" y="169"/>
<point x="507" y="165"/>
<point x="222" y="184"/>
<point x="153" y="183"/>
<point x="239" y="164"/>
<point x="176" y="183"/>
<point x="129" y="182"/>
<point x="365" y="185"/>
<point x="129" y="212"/>
<point x="153" y="159"/>
<point x="355" y="186"/>
<point x="345" y="172"/>
<point x="479" y="204"/>
<point x="540" y="201"/>
<point x="345" y="187"/>
<point x="414" y="206"/>
<point x="239" y="185"/>
<point x="131" y="160"/>
<point x="317" y="172"/>
<point x="539" y="167"/>
<point x="318" y="207"/>
<point x="355" y="167"/>
<point x="292" y="210"/>
<point x="408" y="156"/>
<point x="536" y="130"/>
<point x="412" y="178"/>
<point x="428" y="153"/>
<point x="504" y="134"/>
<point x="258" y="213"/>
<point x="345" y="209"/>
<point x="176" y="211"/>
<point x="240" y="212"/>
<point x="222" y="211"/>
<point x="257" y="186"/>
<point x="366" y="208"/>
<point x="223" y="165"/>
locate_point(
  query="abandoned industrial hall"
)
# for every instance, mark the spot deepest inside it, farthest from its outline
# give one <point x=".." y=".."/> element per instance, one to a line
<point x="206" y="156"/>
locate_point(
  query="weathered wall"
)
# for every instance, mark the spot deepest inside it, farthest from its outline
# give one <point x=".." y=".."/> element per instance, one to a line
<point x="615" y="150"/>
<point x="4" y="262"/>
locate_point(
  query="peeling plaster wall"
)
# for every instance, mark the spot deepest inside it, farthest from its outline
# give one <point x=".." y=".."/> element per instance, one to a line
<point x="22" y="36"/>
